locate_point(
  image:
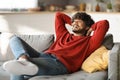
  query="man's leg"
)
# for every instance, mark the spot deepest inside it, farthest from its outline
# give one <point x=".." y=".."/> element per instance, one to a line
<point x="16" y="77"/>
<point x="49" y="65"/>
<point x="22" y="51"/>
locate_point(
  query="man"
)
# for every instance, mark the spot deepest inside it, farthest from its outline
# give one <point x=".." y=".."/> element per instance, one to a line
<point x="65" y="55"/>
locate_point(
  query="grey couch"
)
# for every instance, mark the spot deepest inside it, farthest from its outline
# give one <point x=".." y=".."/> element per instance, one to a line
<point x="45" y="40"/>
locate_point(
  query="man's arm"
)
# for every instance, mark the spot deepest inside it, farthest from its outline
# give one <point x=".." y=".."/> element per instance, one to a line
<point x="100" y="28"/>
<point x="60" y="20"/>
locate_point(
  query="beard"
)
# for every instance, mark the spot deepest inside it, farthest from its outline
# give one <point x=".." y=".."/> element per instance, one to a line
<point x="80" y="31"/>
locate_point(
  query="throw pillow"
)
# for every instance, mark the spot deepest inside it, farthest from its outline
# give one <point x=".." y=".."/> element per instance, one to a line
<point x="97" y="61"/>
<point x="108" y="41"/>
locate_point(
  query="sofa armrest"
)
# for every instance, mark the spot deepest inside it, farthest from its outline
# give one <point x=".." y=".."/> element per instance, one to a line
<point x="113" y="66"/>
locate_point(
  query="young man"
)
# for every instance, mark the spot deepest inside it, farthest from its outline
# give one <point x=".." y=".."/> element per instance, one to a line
<point x="65" y="55"/>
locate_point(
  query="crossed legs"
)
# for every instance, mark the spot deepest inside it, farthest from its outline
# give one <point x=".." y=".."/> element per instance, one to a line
<point x="29" y="62"/>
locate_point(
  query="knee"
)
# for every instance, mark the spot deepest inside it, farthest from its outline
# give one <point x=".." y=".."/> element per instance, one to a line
<point x="14" y="38"/>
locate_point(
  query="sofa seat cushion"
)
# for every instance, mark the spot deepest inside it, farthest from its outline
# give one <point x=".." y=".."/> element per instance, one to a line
<point x="3" y="74"/>
<point x="59" y="77"/>
<point x="80" y="75"/>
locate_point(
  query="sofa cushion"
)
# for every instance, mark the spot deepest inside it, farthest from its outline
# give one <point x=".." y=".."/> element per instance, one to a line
<point x="56" y="77"/>
<point x="39" y="42"/>
<point x="108" y="41"/>
<point x="3" y="74"/>
<point x="97" y="61"/>
<point x="80" y="75"/>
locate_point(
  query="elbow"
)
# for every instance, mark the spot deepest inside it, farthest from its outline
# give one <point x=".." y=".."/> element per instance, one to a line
<point x="105" y="23"/>
<point x="58" y="14"/>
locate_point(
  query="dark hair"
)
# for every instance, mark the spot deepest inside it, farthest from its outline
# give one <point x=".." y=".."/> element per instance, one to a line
<point x="83" y="16"/>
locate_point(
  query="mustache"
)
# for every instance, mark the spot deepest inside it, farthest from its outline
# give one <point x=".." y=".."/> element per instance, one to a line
<point x="75" y="26"/>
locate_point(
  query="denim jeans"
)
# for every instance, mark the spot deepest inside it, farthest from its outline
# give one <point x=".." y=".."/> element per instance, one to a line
<point x="48" y="64"/>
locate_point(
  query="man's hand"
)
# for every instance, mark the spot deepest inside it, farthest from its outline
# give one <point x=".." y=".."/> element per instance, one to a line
<point x="89" y="32"/>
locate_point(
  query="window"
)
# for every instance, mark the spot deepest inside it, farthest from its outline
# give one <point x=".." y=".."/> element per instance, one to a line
<point x="18" y="4"/>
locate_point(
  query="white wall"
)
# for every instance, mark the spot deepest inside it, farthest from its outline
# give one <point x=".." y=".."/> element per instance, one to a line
<point x="27" y="23"/>
<point x="9" y="4"/>
<point x="24" y="4"/>
<point x="34" y="23"/>
<point x="114" y="21"/>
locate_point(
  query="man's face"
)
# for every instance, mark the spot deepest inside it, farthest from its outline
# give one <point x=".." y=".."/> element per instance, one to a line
<point x="78" y="26"/>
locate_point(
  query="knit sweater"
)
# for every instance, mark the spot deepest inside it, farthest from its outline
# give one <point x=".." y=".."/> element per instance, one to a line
<point x="72" y="50"/>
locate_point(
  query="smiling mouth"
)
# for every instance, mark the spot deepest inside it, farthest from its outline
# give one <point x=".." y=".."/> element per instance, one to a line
<point x="75" y="26"/>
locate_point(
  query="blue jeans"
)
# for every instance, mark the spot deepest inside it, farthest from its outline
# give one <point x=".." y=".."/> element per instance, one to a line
<point x="48" y="64"/>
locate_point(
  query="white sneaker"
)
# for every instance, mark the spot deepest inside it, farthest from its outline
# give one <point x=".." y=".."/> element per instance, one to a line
<point x="20" y="67"/>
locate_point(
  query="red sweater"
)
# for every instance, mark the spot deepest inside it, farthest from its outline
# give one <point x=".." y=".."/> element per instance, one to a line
<point x="73" y="50"/>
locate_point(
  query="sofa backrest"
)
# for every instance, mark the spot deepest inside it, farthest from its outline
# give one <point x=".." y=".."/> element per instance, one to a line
<point x="39" y="42"/>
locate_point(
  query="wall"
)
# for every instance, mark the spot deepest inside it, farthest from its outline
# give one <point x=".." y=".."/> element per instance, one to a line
<point x="35" y="23"/>
<point x="9" y="4"/>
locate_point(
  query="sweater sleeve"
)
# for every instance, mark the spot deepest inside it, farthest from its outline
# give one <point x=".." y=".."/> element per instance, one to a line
<point x="60" y="20"/>
<point x="100" y="28"/>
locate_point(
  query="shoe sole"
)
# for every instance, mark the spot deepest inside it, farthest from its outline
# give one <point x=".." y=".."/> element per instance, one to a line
<point x="20" y="67"/>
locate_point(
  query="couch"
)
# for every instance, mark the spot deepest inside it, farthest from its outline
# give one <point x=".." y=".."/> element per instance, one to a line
<point x="45" y="40"/>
